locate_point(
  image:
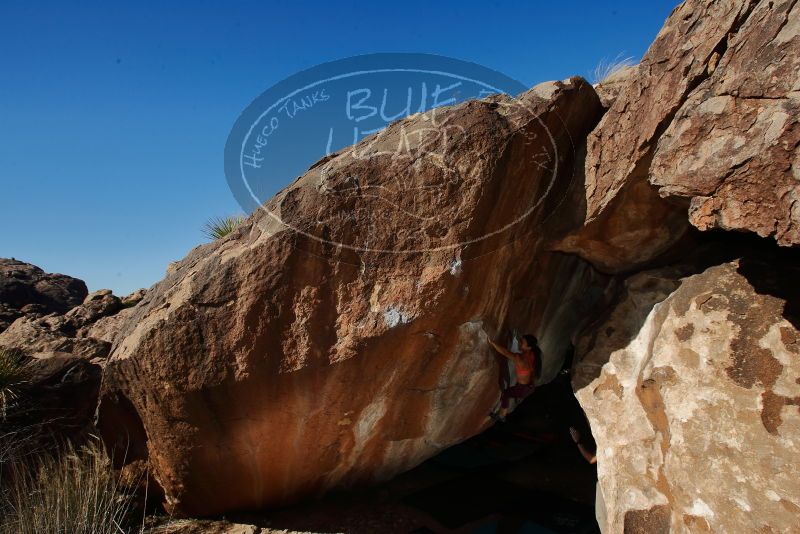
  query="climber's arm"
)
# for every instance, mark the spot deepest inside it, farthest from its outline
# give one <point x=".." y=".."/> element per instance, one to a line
<point x="591" y="458"/>
<point x="502" y="350"/>
<point x="576" y="437"/>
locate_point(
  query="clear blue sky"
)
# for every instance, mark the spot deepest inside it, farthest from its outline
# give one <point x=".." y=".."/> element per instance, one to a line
<point x="114" y="117"/>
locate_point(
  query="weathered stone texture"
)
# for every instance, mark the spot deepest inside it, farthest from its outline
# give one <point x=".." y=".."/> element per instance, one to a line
<point x="338" y="337"/>
<point x="697" y="415"/>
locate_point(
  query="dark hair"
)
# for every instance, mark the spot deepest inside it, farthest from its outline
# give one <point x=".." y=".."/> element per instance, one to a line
<point x="533" y="343"/>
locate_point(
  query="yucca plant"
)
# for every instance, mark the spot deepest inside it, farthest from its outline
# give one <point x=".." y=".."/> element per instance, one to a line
<point x="76" y="491"/>
<point x="607" y="68"/>
<point x="13" y="376"/>
<point x="219" y="227"/>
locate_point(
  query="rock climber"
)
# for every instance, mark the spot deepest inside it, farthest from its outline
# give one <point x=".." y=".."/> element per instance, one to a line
<point x="527" y="365"/>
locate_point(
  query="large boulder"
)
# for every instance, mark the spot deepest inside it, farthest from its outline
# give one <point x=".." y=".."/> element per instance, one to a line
<point x="338" y="336"/>
<point x="707" y="123"/>
<point x="732" y="147"/>
<point x="695" y="411"/>
<point x="27" y="290"/>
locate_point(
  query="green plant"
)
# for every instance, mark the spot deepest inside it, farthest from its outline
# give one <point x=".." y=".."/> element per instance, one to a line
<point x="13" y="376"/>
<point x="607" y="68"/>
<point x="76" y="491"/>
<point x="219" y="227"/>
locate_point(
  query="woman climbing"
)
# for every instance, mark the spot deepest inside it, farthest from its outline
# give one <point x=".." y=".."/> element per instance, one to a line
<point x="527" y="365"/>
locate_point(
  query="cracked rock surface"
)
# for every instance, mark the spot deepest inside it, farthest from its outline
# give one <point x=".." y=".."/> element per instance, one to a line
<point x="708" y="125"/>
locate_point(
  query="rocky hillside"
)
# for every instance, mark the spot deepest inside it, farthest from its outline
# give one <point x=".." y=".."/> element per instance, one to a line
<point x="339" y="336"/>
<point x="64" y="334"/>
<point x="27" y="290"/>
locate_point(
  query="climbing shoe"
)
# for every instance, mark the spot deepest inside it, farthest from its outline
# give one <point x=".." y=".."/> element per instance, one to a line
<point x="496" y="417"/>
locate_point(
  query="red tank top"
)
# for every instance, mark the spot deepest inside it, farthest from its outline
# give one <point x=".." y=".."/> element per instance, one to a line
<point x="525" y="371"/>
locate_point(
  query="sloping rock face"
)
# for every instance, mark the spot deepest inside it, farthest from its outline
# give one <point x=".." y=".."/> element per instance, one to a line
<point x="696" y="413"/>
<point x="26" y="290"/>
<point x="708" y="123"/>
<point x="338" y="337"/>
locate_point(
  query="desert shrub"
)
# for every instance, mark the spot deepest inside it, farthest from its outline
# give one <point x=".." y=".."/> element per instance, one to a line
<point x="13" y="377"/>
<point x="46" y="483"/>
<point x="76" y="491"/>
<point x="219" y="227"/>
<point x="607" y="68"/>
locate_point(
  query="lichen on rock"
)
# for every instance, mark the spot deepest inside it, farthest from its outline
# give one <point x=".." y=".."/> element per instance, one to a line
<point x="702" y="420"/>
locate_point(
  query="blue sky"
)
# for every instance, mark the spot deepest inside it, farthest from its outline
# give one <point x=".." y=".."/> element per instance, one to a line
<point x="114" y="117"/>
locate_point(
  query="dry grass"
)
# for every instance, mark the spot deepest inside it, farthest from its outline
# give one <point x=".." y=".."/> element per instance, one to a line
<point x="13" y="377"/>
<point x="46" y="484"/>
<point x="607" y="68"/>
<point x="75" y="492"/>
